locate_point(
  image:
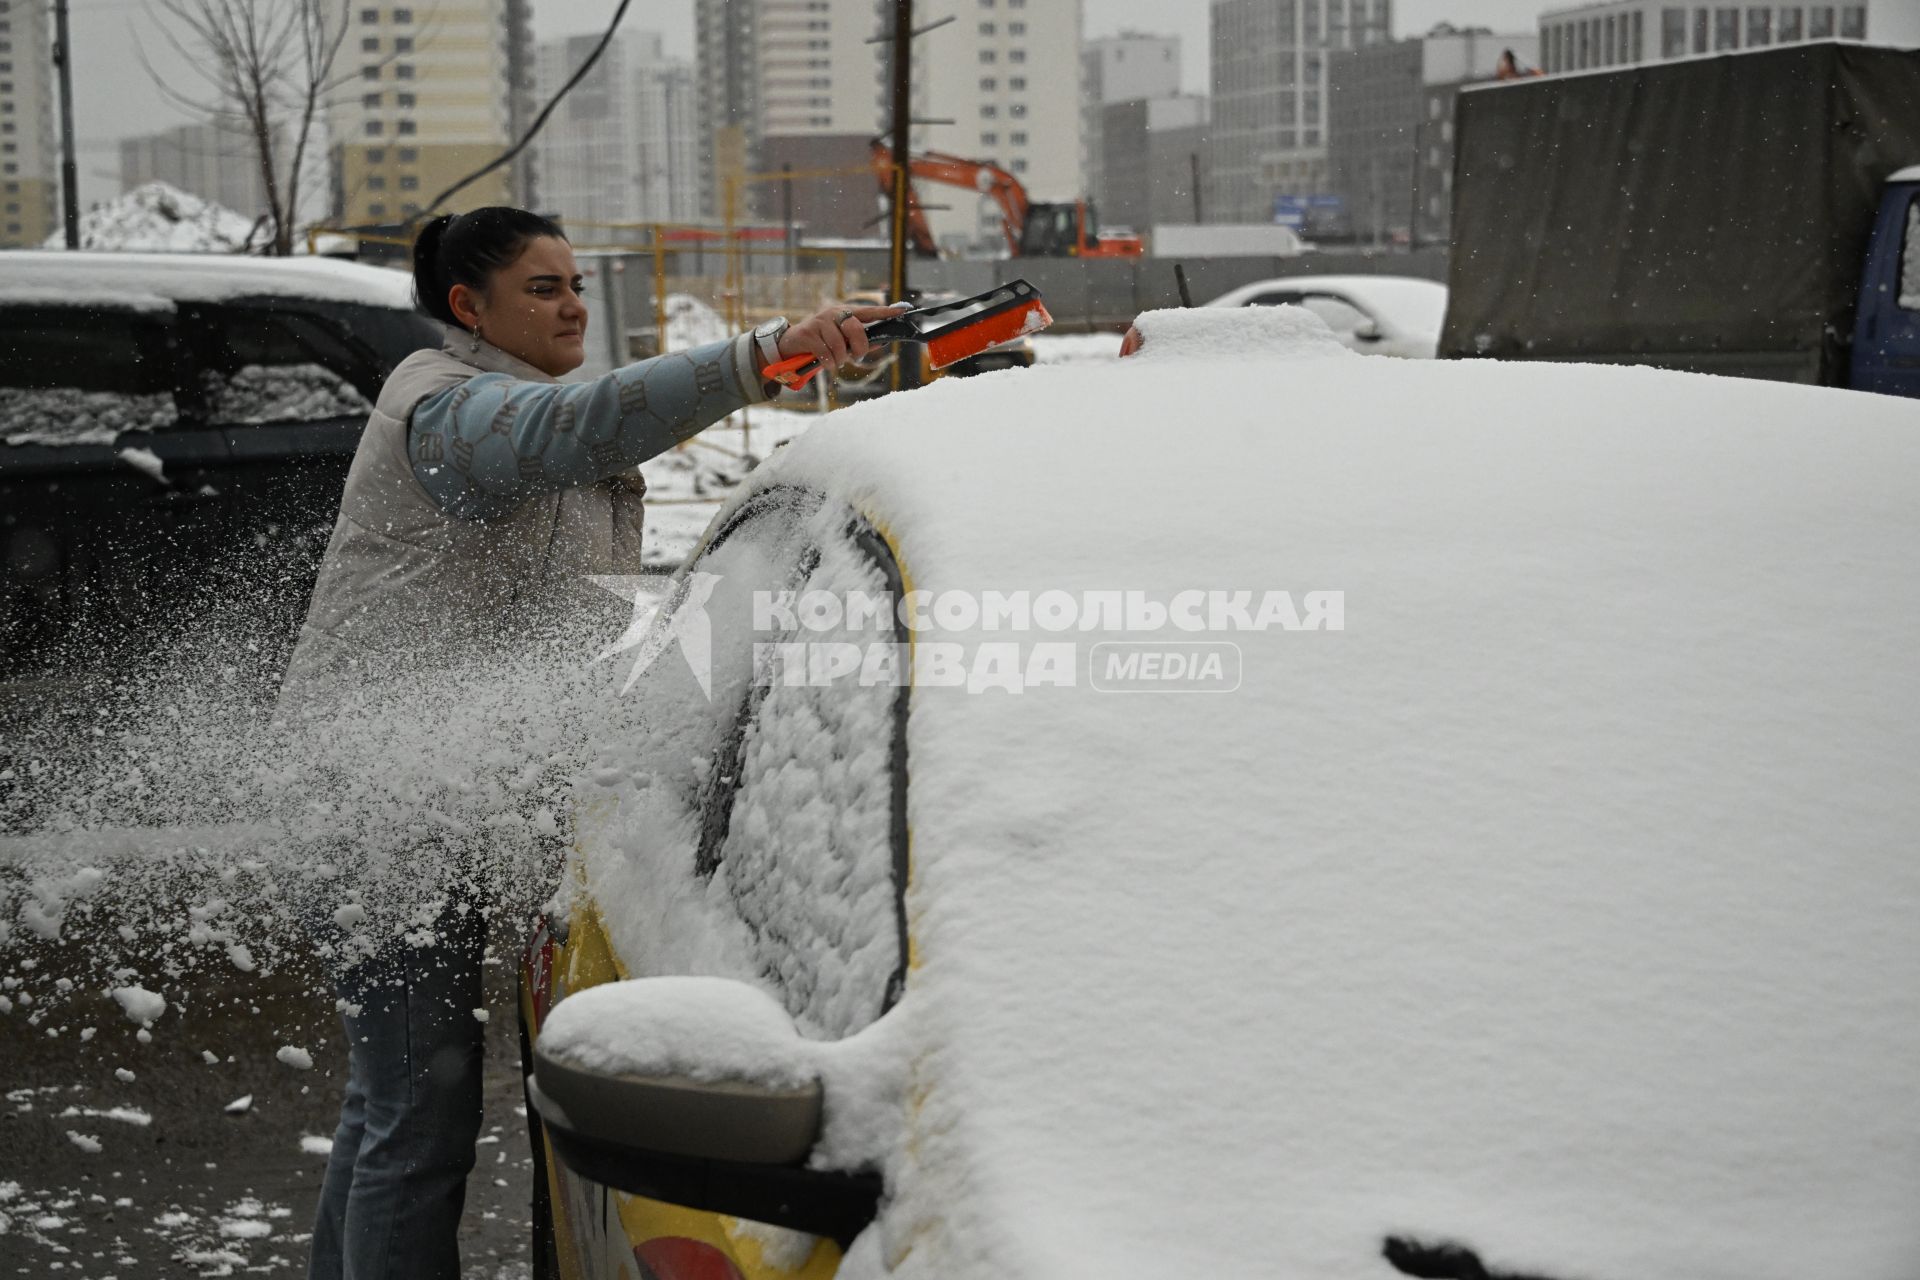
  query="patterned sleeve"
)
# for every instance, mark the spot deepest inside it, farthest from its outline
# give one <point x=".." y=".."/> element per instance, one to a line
<point x="483" y="447"/>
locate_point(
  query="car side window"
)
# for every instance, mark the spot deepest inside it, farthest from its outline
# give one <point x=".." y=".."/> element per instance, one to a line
<point x="1341" y="316"/>
<point x="83" y="374"/>
<point x="1275" y="299"/>
<point x="763" y="837"/>
<point x="260" y="366"/>
<point x="1910" y="260"/>
<point x="813" y="855"/>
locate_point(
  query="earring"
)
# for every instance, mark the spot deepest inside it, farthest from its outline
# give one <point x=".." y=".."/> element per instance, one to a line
<point x="475" y="344"/>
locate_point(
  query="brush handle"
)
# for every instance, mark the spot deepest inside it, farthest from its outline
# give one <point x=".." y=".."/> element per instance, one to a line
<point x="798" y="371"/>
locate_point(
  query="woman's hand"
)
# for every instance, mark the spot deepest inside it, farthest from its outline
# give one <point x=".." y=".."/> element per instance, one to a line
<point x="833" y="335"/>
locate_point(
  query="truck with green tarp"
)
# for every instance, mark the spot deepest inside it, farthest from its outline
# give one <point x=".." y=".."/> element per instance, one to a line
<point x="1754" y="214"/>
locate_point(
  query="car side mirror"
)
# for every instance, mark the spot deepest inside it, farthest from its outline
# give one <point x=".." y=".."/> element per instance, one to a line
<point x="697" y="1092"/>
<point x="1368" y="331"/>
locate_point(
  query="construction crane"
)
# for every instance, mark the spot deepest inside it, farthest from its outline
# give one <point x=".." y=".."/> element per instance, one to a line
<point x="1034" y="229"/>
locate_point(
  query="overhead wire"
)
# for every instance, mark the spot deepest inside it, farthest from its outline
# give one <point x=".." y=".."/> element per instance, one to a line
<point x="507" y="156"/>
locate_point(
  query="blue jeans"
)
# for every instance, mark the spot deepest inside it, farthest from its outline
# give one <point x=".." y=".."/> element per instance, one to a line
<point x="397" y="1180"/>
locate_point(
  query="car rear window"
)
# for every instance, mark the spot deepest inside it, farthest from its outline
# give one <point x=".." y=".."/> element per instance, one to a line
<point x="79" y="375"/>
<point x="271" y="364"/>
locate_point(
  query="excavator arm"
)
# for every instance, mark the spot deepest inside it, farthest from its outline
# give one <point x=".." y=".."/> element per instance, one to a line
<point x="954" y="171"/>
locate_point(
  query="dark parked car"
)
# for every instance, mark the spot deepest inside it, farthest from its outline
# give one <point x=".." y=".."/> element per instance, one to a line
<point x="174" y="434"/>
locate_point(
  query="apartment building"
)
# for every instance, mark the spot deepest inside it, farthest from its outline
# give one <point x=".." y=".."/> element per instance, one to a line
<point x="1625" y="33"/>
<point x="622" y="146"/>
<point x="438" y="89"/>
<point x="1128" y="67"/>
<point x="216" y="162"/>
<point x="1390" y="127"/>
<point x="29" y="159"/>
<point x="1269" y="72"/>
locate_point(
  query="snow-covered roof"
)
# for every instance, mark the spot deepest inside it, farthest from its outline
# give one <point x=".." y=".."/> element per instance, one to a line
<point x="190" y="277"/>
<point x="1410" y="304"/>
<point x="1561" y="905"/>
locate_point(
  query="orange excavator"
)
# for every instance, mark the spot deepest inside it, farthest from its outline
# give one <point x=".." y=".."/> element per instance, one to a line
<point x="1034" y="229"/>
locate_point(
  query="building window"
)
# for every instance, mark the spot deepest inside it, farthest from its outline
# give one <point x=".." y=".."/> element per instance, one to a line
<point x="989" y="139"/>
<point x="1017" y="55"/>
<point x="403" y="44"/>
<point x="1853" y="22"/>
<point x="1700" y="30"/>
<point x="1019" y="139"/>
<point x="409" y="154"/>
<point x="1637" y="41"/>
<point x="371" y="101"/>
<point x="409" y="182"/>
<point x="376" y="155"/>
<point x="1820" y="22"/>
<point x="407" y="126"/>
<point x="1726" y="29"/>
<point x="373" y="128"/>
<point x="376" y="182"/>
<point x="376" y="210"/>
<point x="371" y="17"/>
<point x="370" y="44"/>
<point x="1790" y="27"/>
<point x="988" y="55"/>
<point x="404" y="71"/>
<point x="988" y="111"/>
<point x="1017" y="83"/>
<point x="1609" y="33"/>
<point x="1016" y="28"/>
<point x="1018" y="110"/>
<point x="987" y="29"/>
<point x="988" y="84"/>
<point x="369" y="73"/>
<point x="403" y="15"/>
<point x="1759" y="27"/>
<point x="405" y="99"/>
<point x="1019" y="166"/>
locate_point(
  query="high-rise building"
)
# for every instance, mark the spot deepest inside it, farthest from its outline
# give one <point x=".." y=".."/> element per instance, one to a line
<point x="1390" y="114"/>
<point x="1625" y="33"/>
<point x="1007" y="75"/>
<point x="436" y="91"/>
<point x="1123" y="68"/>
<point x="805" y="84"/>
<point x="1269" y="71"/>
<point x="1154" y="153"/>
<point x="621" y="147"/>
<point x="216" y="162"/>
<point x="28" y="159"/>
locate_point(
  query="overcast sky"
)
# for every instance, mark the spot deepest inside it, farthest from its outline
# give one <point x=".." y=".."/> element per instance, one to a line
<point x="114" y="94"/>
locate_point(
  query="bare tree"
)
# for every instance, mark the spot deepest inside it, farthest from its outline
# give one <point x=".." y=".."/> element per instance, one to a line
<point x="270" y="67"/>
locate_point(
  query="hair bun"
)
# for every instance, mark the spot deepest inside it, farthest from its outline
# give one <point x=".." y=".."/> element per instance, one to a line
<point x="428" y="276"/>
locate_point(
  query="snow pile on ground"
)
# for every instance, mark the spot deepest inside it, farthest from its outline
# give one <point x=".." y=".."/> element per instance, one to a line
<point x="1256" y="333"/>
<point x="1558" y="908"/>
<point x="692" y="323"/>
<point x="157" y="218"/>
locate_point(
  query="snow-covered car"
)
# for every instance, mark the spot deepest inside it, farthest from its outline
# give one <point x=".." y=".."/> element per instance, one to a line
<point x="1452" y="843"/>
<point x="1374" y="315"/>
<point x="176" y="428"/>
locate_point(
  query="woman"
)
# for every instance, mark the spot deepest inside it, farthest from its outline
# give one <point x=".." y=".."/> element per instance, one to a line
<point x="482" y="496"/>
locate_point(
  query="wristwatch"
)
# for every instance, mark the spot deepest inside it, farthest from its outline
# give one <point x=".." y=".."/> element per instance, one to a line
<point x="768" y="336"/>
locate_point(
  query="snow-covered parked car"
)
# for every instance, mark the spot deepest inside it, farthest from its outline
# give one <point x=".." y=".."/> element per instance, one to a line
<point x="176" y="428"/>
<point x="1374" y="315"/>
<point x="1449" y="843"/>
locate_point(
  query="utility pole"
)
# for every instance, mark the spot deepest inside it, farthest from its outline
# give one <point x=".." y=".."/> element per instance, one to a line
<point x="69" y="168"/>
<point x="786" y="209"/>
<point x="902" y="158"/>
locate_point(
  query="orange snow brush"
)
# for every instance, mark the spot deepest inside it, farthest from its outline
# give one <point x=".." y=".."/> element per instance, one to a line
<point x="951" y="332"/>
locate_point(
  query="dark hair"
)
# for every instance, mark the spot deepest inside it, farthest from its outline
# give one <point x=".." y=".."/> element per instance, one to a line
<point x="467" y="249"/>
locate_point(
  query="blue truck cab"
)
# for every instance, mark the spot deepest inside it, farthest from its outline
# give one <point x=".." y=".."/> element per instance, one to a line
<point x="1886" y="330"/>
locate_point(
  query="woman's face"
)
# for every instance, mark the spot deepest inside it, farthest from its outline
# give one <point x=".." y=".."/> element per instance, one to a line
<point x="532" y="308"/>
